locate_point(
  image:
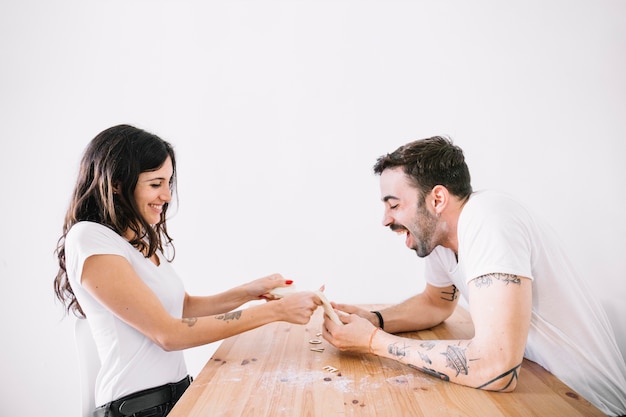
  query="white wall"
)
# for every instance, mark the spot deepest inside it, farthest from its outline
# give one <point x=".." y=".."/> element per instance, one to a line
<point x="278" y="111"/>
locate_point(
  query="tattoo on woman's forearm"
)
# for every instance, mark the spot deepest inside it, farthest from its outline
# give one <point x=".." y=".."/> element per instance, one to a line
<point x="190" y="321"/>
<point x="487" y="280"/>
<point x="235" y="315"/>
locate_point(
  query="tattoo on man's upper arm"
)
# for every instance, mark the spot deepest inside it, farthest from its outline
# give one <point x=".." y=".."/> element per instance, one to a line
<point x="190" y="321"/>
<point x="487" y="280"/>
<point x="450" y="296"/>
<point x="235" y="315"/>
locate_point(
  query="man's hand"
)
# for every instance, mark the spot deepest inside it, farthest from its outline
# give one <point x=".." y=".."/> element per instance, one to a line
<point x="353" y="336"/>
<point x="351" y="309"/>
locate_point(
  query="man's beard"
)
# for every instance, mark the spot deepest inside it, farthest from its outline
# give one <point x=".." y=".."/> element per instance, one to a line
<point x="422" y="232"/>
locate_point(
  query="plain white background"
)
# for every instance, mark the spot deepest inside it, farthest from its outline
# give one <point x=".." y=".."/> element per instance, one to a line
<point x="277" y="110"/>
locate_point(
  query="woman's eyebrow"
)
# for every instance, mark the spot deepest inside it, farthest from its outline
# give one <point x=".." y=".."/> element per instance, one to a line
<point x="155" y="179"/>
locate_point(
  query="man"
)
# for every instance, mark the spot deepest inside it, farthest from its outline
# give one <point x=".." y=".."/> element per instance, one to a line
<point x="523" y="295"/>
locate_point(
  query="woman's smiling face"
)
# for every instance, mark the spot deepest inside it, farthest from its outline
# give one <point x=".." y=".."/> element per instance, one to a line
<point x="153" y="190"/>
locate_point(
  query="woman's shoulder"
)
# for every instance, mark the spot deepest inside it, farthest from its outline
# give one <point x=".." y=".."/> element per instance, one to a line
<point x="87" y="227"/>
<point x="91" y="232"/>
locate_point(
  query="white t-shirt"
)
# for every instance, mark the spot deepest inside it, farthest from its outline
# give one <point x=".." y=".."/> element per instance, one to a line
<point x="130" y="361"/>
<point x="570" y="334"/>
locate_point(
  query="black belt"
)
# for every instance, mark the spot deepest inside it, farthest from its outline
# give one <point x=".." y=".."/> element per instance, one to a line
<point x="142" y="400"/>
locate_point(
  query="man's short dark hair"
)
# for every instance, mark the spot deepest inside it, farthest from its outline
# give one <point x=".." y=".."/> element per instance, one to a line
<point x="430" y="162"/>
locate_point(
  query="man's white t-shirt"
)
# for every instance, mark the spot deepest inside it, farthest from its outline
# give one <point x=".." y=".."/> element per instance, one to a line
<point x="130" y="361"/>
<point x="570" y="334"/>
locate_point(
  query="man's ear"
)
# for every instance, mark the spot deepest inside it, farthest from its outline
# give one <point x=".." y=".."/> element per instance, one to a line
<point x="440" y="198"/>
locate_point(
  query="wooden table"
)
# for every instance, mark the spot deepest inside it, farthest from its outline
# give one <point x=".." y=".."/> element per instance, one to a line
<point x="271" y="371"/>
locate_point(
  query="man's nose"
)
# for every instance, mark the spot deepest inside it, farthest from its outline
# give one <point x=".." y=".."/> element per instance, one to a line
<point x="387" y="219"/>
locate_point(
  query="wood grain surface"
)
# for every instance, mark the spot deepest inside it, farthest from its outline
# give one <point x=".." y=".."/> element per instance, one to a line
<point x="272" y="371"/>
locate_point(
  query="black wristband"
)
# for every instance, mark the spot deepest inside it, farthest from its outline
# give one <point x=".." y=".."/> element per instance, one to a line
<point x="380" y="319"/>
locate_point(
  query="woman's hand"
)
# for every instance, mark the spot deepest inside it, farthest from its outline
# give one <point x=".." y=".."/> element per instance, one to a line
<point x="261" y="287"/>
<point x="299" y="307"/>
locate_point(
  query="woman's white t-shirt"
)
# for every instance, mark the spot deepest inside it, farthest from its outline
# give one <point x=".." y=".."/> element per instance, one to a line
<point x="570" y="334"/>
<point x="130" y="361"/>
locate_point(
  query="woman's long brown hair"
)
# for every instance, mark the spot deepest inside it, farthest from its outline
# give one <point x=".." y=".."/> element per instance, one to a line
<point x="112" y="162"/>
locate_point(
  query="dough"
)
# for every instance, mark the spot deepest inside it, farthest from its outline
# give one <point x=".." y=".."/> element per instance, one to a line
<point x="280" y="292"/>
<point x="328" y="309"/>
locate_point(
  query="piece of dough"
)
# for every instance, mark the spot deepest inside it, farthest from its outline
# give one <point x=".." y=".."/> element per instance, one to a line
<point x="328" y="309"/>
<point x="280" y="292"/>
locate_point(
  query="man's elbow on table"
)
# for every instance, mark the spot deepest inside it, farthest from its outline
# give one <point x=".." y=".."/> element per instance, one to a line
<point x="502" y="377"/>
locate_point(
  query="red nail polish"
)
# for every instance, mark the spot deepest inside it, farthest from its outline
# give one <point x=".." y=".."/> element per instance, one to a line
<point x="289" y="282"/>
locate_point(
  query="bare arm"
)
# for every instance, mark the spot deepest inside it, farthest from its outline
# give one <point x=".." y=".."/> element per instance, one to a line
<point x="196" y="306"/>
<point x="422" y="311"/>
<point x="500" y="309"/>
<point x="113" y="282"/>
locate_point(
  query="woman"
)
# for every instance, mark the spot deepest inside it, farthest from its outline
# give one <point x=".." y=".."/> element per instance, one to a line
<point x="114" y="272"/>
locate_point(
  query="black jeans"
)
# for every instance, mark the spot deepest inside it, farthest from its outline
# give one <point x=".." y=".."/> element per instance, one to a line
<point x="152" y="402"/>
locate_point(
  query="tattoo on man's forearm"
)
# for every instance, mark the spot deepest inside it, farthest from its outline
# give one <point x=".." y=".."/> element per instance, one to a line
<point x="431" y="372"/>
<point x="512" y="374"/>
<point x="487" y="280"/>
<point x="190" y="321"/>
<point x="450" y="296"/>
<point x="456" y="359"/>
<point x="396" y="350"/>
<point x="424" y="357"/>
<point x="235" y="315"/>
<point x="428" y="345"/>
